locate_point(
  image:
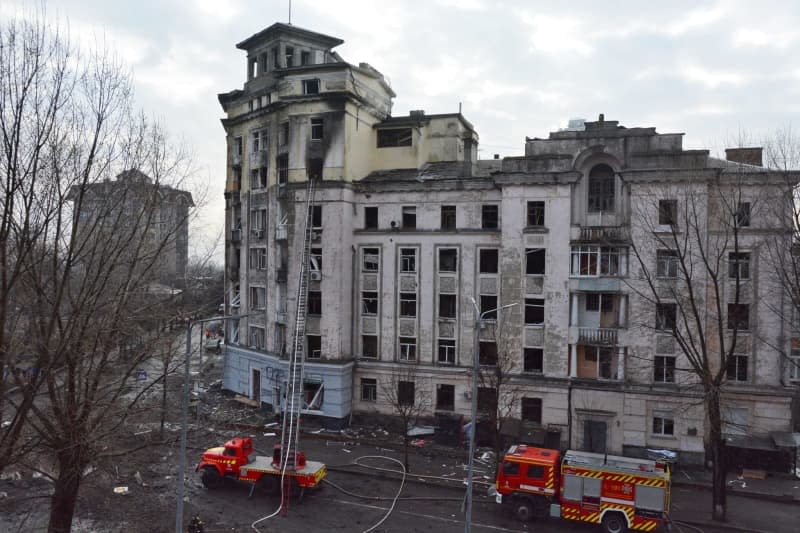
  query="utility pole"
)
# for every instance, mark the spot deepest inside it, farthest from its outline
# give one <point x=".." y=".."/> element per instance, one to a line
<point x="479" y="317"/>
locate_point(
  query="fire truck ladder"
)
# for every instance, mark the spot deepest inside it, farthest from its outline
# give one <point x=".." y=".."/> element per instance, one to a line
<point x="294" y="385"/>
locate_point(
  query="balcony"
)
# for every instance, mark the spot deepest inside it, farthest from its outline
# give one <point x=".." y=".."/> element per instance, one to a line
<point x="257" y="233"/>
<point x="281" y="232"/>
<point x="597" y="336"/>
<point x="236" y="235"/>
<point x="604" y="234"/>
<point x="258" y="159"/>
<point x="281" y="317"/>
<point x="281" y="275"/>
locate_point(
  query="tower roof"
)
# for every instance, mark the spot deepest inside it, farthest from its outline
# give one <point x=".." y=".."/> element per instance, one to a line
<point x="280" y="28"/>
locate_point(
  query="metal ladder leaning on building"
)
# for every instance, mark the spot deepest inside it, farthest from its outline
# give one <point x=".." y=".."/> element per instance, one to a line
<point x="294" y="384"/>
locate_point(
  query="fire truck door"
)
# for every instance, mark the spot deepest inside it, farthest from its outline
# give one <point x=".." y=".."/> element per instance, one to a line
<point x="591" y="493"/>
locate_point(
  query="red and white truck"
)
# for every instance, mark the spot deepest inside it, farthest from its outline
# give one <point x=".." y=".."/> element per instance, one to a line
<point x="235" y="461"/>
<point x="619" y="493"/>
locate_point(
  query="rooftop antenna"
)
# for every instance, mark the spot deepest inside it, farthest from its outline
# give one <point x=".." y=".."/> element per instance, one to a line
<point x="290" y="12"/>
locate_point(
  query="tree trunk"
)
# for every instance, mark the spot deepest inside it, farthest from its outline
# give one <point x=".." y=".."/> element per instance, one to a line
<point x="65" y="494"/>
<point x="163" y="398"/>
<point x="405" y="451"/>
<point x="717" y="448"/>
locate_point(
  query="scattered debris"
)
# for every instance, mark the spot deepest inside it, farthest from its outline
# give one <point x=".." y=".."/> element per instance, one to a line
<point x="10" y="476"/>
<point x="418" y="431"/>
<point x="121" y="490"/>
<point x="5" y="424"/>
<point x="346" y="450"/>
<point x="37" y="475"/>
<point x="269" y="434"/>
<point x="271" y="425"/>
<point x="418" y="443"/>
<point x="89" y="470"/>
<point x="138" y="477"/>
<point x="3" y="495"/>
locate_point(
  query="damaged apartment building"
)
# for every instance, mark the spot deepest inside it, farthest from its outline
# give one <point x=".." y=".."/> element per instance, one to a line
<point x="409" y="227"/>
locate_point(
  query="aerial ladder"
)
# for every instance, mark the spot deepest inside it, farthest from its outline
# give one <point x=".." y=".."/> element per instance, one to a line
<point x="294" y="385"/>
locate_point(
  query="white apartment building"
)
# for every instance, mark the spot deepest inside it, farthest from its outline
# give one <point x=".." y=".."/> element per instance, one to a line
<point x="409" y="227"/>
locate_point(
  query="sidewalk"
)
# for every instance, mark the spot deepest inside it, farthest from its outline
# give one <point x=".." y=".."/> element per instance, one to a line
<point x="776" y="487"/>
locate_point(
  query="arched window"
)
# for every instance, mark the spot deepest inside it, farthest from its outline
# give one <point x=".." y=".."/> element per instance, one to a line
<point x="601" y="188"/>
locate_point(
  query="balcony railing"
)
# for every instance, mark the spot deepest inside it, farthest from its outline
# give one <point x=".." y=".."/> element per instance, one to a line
<point x="258" y="159"/>
<point x="236" y="235"/>
<point x="605" y="234"/>
<point x="597" y="336"/>
<point x="280" y="232"/>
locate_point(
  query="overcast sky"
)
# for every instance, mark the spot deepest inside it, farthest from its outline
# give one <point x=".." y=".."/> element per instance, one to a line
<point x="708" y="69"/>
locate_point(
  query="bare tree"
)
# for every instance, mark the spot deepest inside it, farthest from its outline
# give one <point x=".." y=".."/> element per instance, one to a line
<point x="78" y="260"/>
<point x="695" y="255"/>
<point x="408" y="399"/>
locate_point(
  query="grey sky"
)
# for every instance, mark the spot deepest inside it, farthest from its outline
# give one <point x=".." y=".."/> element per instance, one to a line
<point x="709" y="69"/>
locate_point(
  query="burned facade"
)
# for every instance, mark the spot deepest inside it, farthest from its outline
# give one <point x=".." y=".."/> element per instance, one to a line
<point x="409" y="227"/>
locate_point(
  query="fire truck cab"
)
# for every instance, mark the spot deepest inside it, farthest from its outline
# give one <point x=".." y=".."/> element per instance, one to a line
<point x="618" y="493"/>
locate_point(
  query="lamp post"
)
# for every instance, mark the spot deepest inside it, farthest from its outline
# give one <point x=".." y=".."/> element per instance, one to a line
<point x="185" y="415"/>
<point x="479" y="317"/>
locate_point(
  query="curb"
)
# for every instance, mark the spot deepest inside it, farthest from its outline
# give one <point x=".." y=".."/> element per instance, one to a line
<point x="719" y="525"/>
<point x="779" y="498"/>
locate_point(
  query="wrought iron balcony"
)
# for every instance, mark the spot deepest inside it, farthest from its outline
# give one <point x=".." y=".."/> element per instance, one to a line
<point x="236" y="235"/>
<point x="597" y="336"/>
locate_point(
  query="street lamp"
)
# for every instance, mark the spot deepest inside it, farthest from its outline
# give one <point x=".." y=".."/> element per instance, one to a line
<point x="479" y="317"/>
<point x="185" y="414"/>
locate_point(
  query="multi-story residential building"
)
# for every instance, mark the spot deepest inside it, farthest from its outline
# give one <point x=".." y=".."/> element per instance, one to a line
<point x="409" y="227"/>
<point x="160" y="210"/>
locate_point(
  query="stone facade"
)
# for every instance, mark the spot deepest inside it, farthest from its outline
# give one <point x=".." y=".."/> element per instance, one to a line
<point x="410" y="227"/>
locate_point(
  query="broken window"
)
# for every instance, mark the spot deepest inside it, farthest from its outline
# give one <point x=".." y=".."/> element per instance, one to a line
<point x="237" y="146"/>
<point x="534" y="261"/>
<point x="489" y="217"/>
<point x="317" y="129"/>
<point x="369" y="346"/>
<point x="409" y="217"/>
<point x="667" y="212"/>
<point x="448" y="260"/>
<point x="394" y="137"/>
<point x="597" y="362"/>
<point x="370" y="218"/>
<point x="534" y="360"/>
<point x="315" y="262"/>
<point x="488" y="261"/>
<point x="408" y="348"/>
<point x="315" y="169"/>
<point x="408" y="304"/>
<point x="447" y="351"/>
<point x="305" y="57"/>
<point x="275" y="53"/>
<point x="534" y="311"/>
<point x="531" y="412"/>
<point x="448" y="217"/>
<point x="283" y="137"/>
<point x="487" y="399"/>
<point x="369" y="303"/>
<point x="666" y="316"/>
<point x="599" y="261"/>
<point x="405" y="393"/>
<point x="447" y="306"/>
<point x="282" y="164"/>
<point x="289" y="56"/>
<point x="667" y="264"/>
<point x="487" y="353"/>
<point x="310" y="86"/>
<point x="601" y="188"/>
<point x="369" y="389"/>
<point x="371" y="260"/>
<point x="445" y="397"/>
<point x="314" y="303"/>
<point x="408" y="259"/>
<point x="536" y="213"/>
<point x="313" y="346"/>
<point x="739" y="316"/>
<point x="488" y="307"/>
<point x="316" y="216"/>
<point x="742" y="215"/>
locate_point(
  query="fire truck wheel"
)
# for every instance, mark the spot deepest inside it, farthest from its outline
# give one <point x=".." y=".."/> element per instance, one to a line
<point x="523" y="510"/>
<point x="614" y="523"/>
<point x="211" y="478"/>
<point x="269" y="485"/>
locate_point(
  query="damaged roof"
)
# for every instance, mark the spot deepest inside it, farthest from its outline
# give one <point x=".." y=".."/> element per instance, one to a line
<point x="443" y="170"/>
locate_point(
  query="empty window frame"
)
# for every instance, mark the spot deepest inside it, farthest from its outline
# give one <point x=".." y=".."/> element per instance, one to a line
<point x="370" y="261"/>
<point x="255" y="179"/>
<point x="275" y="55"/>
<point x="602" y="185"/>
<point x="237" y="146"/>
<point x="488" y="259"/>
<point x="446" y="351"/>
<point x="283" y="137"/>
<point x="370" y="218"/>
<point x="408" y="304"/>
<point x="447" y="306"/>
<point x="408" y="259"/>
<point x="445" y="397"/>
<point x="536" y="213"/>
<point x="258" y="298"/>
<point x="255" y="141"/>
<point x="663" y="426"/>
<point x="487" y="353"/>
<point x="305" y="57"/>
<point x="598" y="261"/>
<point x="369" y="303"/>
<point x="405" y="393"/>
<point x="311" y="86"/>
<point x="488" y="306"/>
<point x="317" y="129"/>
<point x="666" y="316"/>
<point x="394" y="138"/>
<point x="369" y="346"/>
<point x="664" y="369"/>
<point x="448" y="217"/>
<point x="316" y="216"/>
<point x="369" y="389"/>
<point x="603" y="358"/>
<point x="739" y="316"/>
<point x="409" y="220"/>
<point x="535" y="261"/>
<point x="534" y="311"/>
<point x="313" y="346"/>
<point x="314" y="168"/>
<point x="314" y="303"/>
<point x="533" y="360"/>
<point x="289" y="56"/>
<point x="315" y="262"/>
<point x="408" y="348"/>
<point x="282" y="164"/>
<point x="742" y="215"/>
<point x="666" y="264"/>
<point x="448" y="260"/>
<point x="531" y="410"/>
<point x="794" y="365"/>
<point x="667" y="212"/>
<point x="739" y="265"/>
<point x="490" y="218"/>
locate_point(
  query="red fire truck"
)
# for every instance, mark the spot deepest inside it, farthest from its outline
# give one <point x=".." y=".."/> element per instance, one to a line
<point x="234" y="461"/>
<point x="619" y="493"/>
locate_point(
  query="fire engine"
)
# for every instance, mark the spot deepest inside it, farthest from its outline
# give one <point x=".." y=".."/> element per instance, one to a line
<point x="619" y="493"/>
<point x="234" y="461"/>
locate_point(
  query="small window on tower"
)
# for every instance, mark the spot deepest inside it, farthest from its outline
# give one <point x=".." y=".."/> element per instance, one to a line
<point x="317" y="129"/>
<point x="310" y="86"/>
